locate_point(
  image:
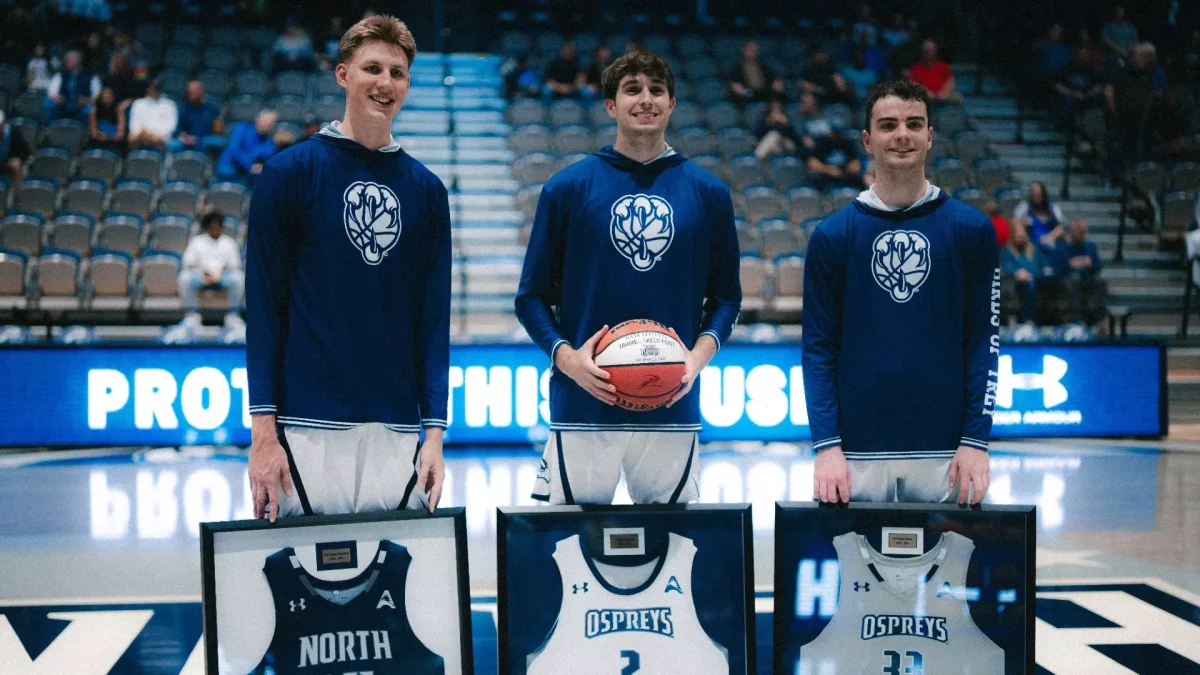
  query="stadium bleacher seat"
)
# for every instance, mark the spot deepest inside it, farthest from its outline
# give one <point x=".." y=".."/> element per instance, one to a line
<point x="98" y="164"/>
<point x="169" y="233"/>
<point x="778" y="237"/>
<point x="252" y="83"/>
<point x="1177" y="211"/>
<point x="179" y="198"/>
<point x="991" y="174"/>
<point x="122" y="232"/>
<point x="71" y="232"/>
<point x="764" y="202"/>
<point x="13" y="278"/>
<point x="84" y="196"/>
<point x="1149" y="177"/>
<point x="1185" y="176"/>
<point x="36" y="196"/>
<point x="787" y="171"/>
<point x="839" y="197"/>
<point x="52" y="164"/>
<point x="132" y="196"/>
<point x="951" y="174"/>
<point x="144" y="164"/>
<point x="157" y="281"/>
<point x="573" y="139"/>
<point x="66" y="134"/>
<point x="107" y="280"/>
<point x="745" y="170"/>
<point x="788" y="299"/>
<point x="189" y="165"/>
<point x="969" y="146"/>
<point x="57" y="280"/>
<point x="229" y="198"/>
<point x="753" y="272"/>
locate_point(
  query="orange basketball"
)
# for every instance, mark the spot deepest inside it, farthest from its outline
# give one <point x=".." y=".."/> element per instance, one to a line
<point x="644" y="361"/>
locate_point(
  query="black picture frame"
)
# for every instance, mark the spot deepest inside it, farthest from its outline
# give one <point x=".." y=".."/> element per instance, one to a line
<point x="209" y="531"/>
<point x="583" y="514"/>
<point x="1025" y="516"/>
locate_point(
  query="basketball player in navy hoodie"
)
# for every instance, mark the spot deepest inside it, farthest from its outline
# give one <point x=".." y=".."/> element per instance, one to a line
<point x="635" y="231"/>
<point x="348" y="299"/>
<point x="901" y="321"/>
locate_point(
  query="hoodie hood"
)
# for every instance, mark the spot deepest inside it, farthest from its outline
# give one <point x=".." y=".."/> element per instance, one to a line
<point x="666" y="160"/>
<point x="333" y="132"/>
<point x="868" y="201"/>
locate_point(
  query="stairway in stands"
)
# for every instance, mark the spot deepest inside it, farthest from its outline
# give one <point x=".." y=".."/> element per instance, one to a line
<point x="1148" y="281"/>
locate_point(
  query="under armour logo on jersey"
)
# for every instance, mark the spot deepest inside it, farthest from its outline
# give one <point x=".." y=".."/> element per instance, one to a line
<point x="372" y="218"/>
<point x="864" y="587"/>
<point x="673" y="585"/>
<point x="900" y="262"/>
<point x="642" y="228"/>
<point x="386" y="599"/>
<point x="1049" y="381"/>
<point x="579" y="588"/>
<point x="294" y="604"/>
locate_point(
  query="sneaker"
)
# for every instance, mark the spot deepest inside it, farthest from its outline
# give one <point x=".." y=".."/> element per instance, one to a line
<point x="192" y="320"/>
<point x="234" y="320"/>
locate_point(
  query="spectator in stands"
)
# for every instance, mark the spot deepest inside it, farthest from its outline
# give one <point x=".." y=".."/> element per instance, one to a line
<point x="1079" y="86"/>
<point x="775" y="133"/>
<point x="250" y="145"/>
<point x="859" y="75"/>
<point x="293" y="48"/>
<point x="212" y="260"/>
<point x="95" y="58"/>
<point x="905" y="54"/>
<point x="1053" y="54"/>
<point x="106" y="122"/>
<point x="1084" y="43"/>
<point x="72" y="91"/>
<point x="1119" y="36"/>
<point x="834" y="163"/>
<point x="601" y="57"/>
<point x="564" y="76"/>
<point x="13" y="150"/>
<point x="152" y="118"/>
<point x="1077" y="261"/>
<point x="1130" y="94"/>
<point x="865" y="27"/>
<point x="1023" y="264"/>
<point x="822" y="80"/>
<point x="520" y="79"/>
<point x="934" y="74"/>
<point x="1003" y="230"/>
<point x="750" y="80"/>
<point x="329" y="47"/>
<point x="812" y="125"/>
<point x="125" y="86"/>
<point x="1040" y="217"/>
<point x="897" y="33"/>
<point x="874" y="58"/>
<point x="37" y="71"/>
<point x="200" y="123"/>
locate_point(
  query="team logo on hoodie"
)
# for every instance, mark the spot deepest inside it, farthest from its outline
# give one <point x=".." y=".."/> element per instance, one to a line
<point x="642" y="229"/>
<point x="900" y="262"/>
<point x="372" y="216"/>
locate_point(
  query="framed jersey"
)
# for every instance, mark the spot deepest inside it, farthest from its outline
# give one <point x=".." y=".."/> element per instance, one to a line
<point x="625" y="590"/>
<point x="385" y="593"/>
<point x="904" y="589"/>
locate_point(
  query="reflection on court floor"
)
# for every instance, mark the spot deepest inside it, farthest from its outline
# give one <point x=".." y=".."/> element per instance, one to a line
<point x="100" y="550"/>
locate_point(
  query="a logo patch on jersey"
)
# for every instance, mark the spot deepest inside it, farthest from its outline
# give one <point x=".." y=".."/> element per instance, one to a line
<point x="579" y="588"/>
<point x="673" y="586"/>
<point x="296" y="604"/>
<point x="598" y="622"/>
<point x="386" y="600"/>
<point x="888" y="625"/>
<point x="372" y="218"/>
<point x="642" y="229"/>
<point x="900" y="262"/>
<point x="864" y="587"/>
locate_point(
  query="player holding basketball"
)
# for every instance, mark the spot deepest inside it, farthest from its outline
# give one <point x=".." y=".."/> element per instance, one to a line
<point x="348" y="298"/>
<point x="635" y="231"/>
<point x="901" y="315"/>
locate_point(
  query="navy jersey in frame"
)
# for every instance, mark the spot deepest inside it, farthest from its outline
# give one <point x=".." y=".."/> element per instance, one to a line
<point x="357" y="625"/>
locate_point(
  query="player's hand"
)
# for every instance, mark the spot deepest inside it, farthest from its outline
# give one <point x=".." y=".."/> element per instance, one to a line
<point x="694" y="361"/>
<point x="431" y="467"/>
<point x="269" y="470"/>
<point x="580" y="365"/>
<point x="970" y="467"/>
<point x="831" y="476"/>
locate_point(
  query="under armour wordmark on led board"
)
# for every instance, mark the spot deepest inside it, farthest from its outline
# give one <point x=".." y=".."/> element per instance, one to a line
<point x="172" y="395"/>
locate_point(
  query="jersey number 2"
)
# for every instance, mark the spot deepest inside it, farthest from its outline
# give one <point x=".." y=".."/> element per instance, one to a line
<point x="915" y="666"/>
<point x="635" y="662"/>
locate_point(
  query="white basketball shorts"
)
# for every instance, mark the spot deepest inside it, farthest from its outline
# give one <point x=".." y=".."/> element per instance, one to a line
<point x="365" y="468"/>
<point x="584" y="467"/>
<point x="924" y="481"/>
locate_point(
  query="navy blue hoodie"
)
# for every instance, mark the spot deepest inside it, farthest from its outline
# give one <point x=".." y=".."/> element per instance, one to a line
<point x="348" y="288"/>
<point x="901" y="316"/>
<point x="615" y="239"/>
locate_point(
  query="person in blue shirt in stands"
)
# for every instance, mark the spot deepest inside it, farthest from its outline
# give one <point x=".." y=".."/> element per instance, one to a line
<point x="200" y="122"/>
<point x="250" y="146"/>
<point x="1023" y="264"/>
<point x="1077" y="261"/>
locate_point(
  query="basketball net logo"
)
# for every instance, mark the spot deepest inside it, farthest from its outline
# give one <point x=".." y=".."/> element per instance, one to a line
<point x="642" y="229"/>
<point x="900" y="262"/>
<point x="372" y="217"/>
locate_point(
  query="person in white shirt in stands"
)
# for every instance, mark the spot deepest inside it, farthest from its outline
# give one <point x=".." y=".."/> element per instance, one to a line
<point x="152" y="119"/>
<point x="212" y="260"/>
